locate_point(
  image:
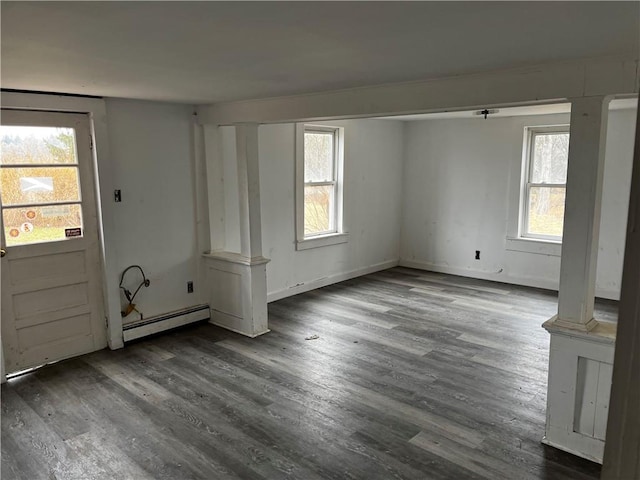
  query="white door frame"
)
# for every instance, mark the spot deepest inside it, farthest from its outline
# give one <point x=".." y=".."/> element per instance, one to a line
<point x="35" y="332"/>
<point x="103" y="171"/>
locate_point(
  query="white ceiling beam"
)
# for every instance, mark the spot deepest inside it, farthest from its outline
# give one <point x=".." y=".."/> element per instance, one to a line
<point x="531" y="85"/>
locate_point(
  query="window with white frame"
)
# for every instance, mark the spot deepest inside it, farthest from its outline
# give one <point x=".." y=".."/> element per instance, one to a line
<point x="319" y="185"/>
<point x="544" y="183"/>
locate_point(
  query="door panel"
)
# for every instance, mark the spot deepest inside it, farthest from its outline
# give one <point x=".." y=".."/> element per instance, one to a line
<point x="24" y="270"/>
<point x="51" y="297"/>
<point x="65" y="328"/>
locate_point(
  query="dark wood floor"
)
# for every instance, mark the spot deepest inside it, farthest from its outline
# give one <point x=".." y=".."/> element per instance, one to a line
<point x="414" y="376"/>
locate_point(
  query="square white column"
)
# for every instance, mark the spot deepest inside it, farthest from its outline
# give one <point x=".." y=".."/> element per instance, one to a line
<point x="582" y="213"/>
<point x="249" y="190"/>
<point x="237" y="282"/>
<point x="581" y="355"/>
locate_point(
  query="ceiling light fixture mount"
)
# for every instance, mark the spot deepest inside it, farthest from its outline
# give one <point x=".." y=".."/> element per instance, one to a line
<point x="486" y="112"/>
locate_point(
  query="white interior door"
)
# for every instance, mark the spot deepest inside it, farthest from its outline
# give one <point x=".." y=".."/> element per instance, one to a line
<point x="51" y="303"/>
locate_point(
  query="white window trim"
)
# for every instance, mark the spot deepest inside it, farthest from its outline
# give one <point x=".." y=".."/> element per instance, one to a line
<point x="534" y="245"/>
<point x="539" y="240"/>
<point x="340" y="235"/>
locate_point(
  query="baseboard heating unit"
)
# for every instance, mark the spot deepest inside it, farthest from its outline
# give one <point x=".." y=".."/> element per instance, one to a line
<point x="164" y="322"/>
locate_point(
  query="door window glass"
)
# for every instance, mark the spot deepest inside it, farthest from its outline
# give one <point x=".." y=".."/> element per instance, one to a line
<point x="39" y="185"/>
<point x="38" y="145"/>
<point x="25" y="225"/>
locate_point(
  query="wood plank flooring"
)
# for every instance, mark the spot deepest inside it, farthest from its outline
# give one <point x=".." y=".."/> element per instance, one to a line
<point x="414" y="375"/>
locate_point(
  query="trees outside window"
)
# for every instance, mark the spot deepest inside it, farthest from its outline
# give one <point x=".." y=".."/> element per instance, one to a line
<point x="319" y="159"/>
<point x="39" y="184"/>
<point x="319" y="182"/>
<point x="544" y="188"/>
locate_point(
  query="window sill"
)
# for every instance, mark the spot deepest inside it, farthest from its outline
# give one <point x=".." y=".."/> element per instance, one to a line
<point x="322" y="241"/>
<point x="535" y="246"/>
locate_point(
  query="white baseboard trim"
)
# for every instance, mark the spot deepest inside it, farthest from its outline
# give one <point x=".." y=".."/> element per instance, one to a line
<point x="608" y="294"/>
<point x="331" y="279"/>
<point x="234" y="324"/>
<point x="164" y="322"/>
<point x="482" y="275"/>
<point x="498" y="277"/>
<point x="597" y="458"/>
<point x="235" y="330"/>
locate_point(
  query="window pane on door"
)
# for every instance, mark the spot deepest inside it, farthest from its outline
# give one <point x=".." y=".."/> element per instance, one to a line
<point x="550" y="155"/>
<point x="39" y="185"/>
<point x="546" y="211"/>
<point x="318" y="157"/>
<point x="52" y="223"/>
<point x="318" y="209"/>
<point x="37" y="145"/>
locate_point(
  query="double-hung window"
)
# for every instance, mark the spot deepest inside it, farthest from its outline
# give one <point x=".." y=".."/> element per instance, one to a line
<point x="319" y="186"/>
<point x="544" y="183"/>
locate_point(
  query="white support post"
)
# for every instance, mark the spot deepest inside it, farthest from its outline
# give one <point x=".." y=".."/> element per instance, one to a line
<point x="249" y="190"/>
<point x="582" y="213"/>
<point x="581" y="353"/>
<point x="237" y="282"/>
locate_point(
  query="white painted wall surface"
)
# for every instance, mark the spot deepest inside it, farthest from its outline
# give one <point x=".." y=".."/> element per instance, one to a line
<point x="372" y="207"/>
<point x="150" y="145"/>
<point x="460" y="194"/>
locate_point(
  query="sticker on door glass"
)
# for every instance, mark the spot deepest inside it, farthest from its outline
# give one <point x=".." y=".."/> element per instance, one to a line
<point x="36" y="184"/>
<point x="56" y="211"/>
<point x="48" y="225"/>
<point x="14" y="233"/>
<point x="72" y="232"/>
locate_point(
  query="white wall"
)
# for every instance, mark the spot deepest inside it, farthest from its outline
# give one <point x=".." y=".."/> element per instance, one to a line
<point x="461" y="176"/>
<point x="152" y="155"/>
<point x="454" y="200"/>
<point x="372" y="207"/>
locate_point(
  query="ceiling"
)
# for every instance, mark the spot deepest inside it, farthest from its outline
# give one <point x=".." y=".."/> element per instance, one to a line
<point x="205" y="52"/>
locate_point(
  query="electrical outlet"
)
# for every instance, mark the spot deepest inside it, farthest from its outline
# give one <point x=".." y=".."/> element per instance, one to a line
<point x="117" y="196"/>
<point x="189" y="287"/>
<point x="477" y="254"/>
